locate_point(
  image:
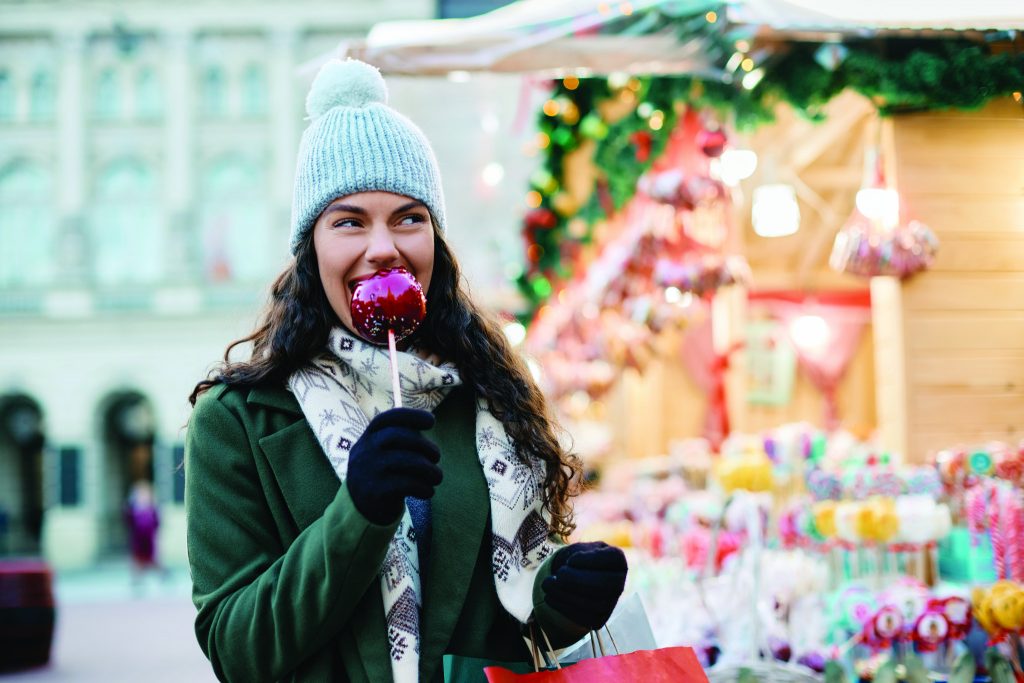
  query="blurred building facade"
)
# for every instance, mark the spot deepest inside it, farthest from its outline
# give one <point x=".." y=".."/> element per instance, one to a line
<point x="146" y="161"/>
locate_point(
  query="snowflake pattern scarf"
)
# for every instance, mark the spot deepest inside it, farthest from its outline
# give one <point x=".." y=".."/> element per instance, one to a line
<point x="343" y="389"/>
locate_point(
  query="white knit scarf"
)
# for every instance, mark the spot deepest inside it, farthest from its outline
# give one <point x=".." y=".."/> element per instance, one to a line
<point x="340" y="392"/>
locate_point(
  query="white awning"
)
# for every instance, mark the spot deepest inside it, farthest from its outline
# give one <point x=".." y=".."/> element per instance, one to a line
<point x="558" y="37"/>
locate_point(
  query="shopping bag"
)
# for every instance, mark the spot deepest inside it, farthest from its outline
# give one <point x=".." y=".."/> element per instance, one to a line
<point x="666" y="665"/>
<point x="628" y="629"/>
<point x="459" y="669"/>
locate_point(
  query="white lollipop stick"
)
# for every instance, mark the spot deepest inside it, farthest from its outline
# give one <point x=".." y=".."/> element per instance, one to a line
<point x="395" y="386"/>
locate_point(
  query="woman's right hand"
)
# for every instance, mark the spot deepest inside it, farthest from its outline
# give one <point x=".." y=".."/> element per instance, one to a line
<point x="391" y="461"/>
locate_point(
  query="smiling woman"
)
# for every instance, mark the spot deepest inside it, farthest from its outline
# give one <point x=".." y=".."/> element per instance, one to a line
<point x="332" y="536"/>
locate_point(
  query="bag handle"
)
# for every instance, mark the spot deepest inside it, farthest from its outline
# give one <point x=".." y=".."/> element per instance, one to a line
<point x="548" y="652"/>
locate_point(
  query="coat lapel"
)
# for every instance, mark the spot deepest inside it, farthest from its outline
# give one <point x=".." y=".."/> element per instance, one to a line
<point x="460" y="513"/>
<point x="309" y="484"/>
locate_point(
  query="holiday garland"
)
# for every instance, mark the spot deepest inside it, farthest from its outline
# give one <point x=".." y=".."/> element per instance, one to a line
<point x="897" y="74"/>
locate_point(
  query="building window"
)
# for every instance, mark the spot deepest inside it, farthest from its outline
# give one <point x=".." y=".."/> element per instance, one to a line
<point x="69" y="463"/>
<point x="27" y="226"/>
<point x="236" y="239"/>
<point x="126" y="226"/>
<point x="214" y="95"/>
<point x="41" y="104"/>
<point x="107" y="96"/>
<point x="178" y="473"/>
<point x="7" y="97"/>
<point x="254" y="91"/>
<point x="148" y="97"/>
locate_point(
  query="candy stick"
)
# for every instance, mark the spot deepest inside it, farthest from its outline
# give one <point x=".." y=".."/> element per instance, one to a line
<point x="393" y="352"/>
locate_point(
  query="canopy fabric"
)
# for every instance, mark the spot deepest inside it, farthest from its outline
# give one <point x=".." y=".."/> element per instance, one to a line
<point x="560" y="36"/>
<point x="557" y="36"/>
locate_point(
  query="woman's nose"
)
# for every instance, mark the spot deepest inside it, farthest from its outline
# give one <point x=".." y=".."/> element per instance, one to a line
<point x="381" y="250"/>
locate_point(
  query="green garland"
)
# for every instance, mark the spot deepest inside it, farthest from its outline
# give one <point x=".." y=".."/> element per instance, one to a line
<point x="897" y="74"/>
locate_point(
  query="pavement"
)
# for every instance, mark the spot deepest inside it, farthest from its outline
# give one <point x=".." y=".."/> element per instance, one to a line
<point x="113" y="629"/>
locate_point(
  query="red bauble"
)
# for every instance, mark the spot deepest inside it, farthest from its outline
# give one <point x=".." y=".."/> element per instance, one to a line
<point x="712" y="142"/>
<point x="389" y="299"/>
<point x="540" y="219"/>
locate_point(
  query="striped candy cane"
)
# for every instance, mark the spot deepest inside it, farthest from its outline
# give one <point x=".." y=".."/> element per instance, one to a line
<point x="1015" y="533"/>
<point x="998" y="533"/>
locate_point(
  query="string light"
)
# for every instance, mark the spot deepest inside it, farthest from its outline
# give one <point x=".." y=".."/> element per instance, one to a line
<point x="604" y="9"/>
<point x="747" y="64"/>
<point x="493" y="174"/>
<point x="742" y="46"/>
<point x="712" y="17"/>
<point x="533" y="199"/>
<point x="751" y="80"/>
<point x="515" y="333"/>
<point x="571" y="82"/>
<point x="657" y="120"/>
<point x="626" y="9"/>
<point x="543" y="140"/>
<point x="551" y="108"/>
<point x="1017" y="96"/>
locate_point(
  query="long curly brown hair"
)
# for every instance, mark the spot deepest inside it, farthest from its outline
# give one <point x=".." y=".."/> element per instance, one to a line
<point x="296" y="323"/>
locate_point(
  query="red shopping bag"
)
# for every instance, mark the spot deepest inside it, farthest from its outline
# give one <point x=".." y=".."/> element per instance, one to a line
<point x="667" y="664"/>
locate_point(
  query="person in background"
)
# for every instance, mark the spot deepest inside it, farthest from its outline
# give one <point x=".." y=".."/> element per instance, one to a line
<point x="333" y="537"/>
<point x="142" y="519"/>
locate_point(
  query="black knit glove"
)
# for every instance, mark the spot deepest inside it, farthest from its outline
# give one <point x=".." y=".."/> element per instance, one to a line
<point x="390" y="461"/>
<point x="586" y="582"/>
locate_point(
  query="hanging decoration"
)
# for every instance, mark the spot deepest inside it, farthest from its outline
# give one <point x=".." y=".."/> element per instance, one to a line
<point x="647" y="269"/>
<point x="875" y="240"/>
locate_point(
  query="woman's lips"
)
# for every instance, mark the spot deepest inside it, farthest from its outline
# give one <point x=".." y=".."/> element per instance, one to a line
<point x="354" y="282"/>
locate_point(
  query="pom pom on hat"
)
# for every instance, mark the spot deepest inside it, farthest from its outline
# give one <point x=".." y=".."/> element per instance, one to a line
<point x="351" y="83"/>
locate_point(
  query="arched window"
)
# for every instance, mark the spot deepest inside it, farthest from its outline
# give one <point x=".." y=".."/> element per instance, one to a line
<point x="214" y="95"/>
<point x="126" y="225"/>
<point x="254" y="91"/>
<point x="41" y="104"/>
<point x="7" y="96"/>
<point x="27" y="226"/>
<point x="148" y="97"/>
<point x="107" y="95"/>
<point x="236" y="240"/>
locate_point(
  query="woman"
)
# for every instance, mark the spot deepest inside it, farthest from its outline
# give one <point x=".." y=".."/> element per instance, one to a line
<point x="333" y="537"/>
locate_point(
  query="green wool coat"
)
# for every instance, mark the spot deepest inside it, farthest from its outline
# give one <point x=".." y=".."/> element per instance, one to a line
<point x="286" y="571"/>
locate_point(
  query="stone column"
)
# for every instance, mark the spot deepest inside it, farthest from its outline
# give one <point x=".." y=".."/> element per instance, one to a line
<point x="179" y="153"/>
<point x="72" y="243"/>
<point x="285" y="90"/>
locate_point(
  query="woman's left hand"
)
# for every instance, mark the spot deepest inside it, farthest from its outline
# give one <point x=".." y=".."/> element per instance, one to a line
<point x="586" y="582"/>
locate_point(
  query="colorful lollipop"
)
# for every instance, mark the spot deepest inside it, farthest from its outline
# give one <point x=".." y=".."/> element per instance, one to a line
<point x="387" y="307"/>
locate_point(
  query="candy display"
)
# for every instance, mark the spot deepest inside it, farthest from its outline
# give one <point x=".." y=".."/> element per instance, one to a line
<point x="861" y="249"/>
<point x="795" y="551"/>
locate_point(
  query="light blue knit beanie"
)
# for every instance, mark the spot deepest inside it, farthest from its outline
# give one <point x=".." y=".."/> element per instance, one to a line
<point x="357" y="143"/>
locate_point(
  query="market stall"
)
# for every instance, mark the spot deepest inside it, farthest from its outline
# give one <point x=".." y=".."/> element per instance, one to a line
<point x="772" y="260"/>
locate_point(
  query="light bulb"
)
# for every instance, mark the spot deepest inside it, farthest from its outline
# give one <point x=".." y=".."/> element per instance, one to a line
<point x="880" y="205"/>
<point x="737" y="165"/>
<point x="810" y="332"/>
<point x="775" y="211"/>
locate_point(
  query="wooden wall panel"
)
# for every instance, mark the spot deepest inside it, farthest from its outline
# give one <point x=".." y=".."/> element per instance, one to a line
<point x="963" y="174"/>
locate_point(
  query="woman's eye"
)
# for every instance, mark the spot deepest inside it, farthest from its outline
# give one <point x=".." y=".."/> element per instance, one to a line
<point x="347" y="223"/>
<point x="412" y="219"/>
